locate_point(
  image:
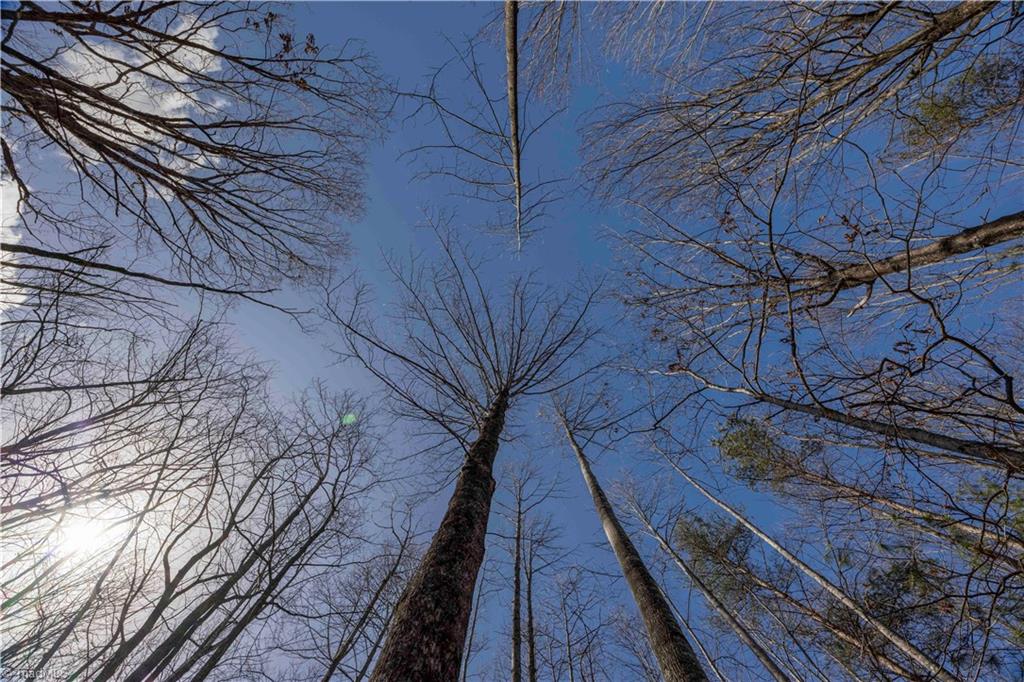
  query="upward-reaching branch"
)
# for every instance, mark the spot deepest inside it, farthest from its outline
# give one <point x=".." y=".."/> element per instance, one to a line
<point x="512" y="65"/>
<point x="208" y="130"/>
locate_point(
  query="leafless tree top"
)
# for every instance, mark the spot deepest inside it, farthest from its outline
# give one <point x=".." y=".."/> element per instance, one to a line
<point x="464" y="345"/>
<point x="207" y="131"/>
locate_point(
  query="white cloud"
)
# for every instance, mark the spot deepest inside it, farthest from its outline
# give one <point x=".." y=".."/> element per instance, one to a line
<point x="159" y="87"/>
<point x="9" y="219"/>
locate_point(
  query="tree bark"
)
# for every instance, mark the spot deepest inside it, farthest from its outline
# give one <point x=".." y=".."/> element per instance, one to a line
<point x="994" y="232"/>
<point x="426" y="638"/>
<point x="517" y="633"/>
<point x="720" y="608"/>
<point x="676" y="657"/>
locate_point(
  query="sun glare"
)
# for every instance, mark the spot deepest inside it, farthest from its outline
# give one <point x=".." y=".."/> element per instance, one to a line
<point x="83" y="536"/>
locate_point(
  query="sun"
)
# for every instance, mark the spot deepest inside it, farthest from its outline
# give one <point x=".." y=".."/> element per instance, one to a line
<point x="83" y="536"/>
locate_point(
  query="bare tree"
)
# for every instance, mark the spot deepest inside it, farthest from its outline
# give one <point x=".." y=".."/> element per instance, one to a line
<point x="477" y="642"/>
<point x="676" y="657"/>
<point x="512" y="78"/>
<point x="793" y="82"/>
<point x="643" y="510"/>
<point x="896" y="639"/>
<point x="813" y="472"/>
<point x="163" y="508"/>
<point x="577" y="627"/>
<point x="465" y="360"/>
<point x="171" y="516"/>
<point x="802" y="238"/>
<point x="374" y="590"/>
<point x="172" y="120"/>
<point x="481" y="149"/>
<point x="541" y="555"/>
<point x="528" y="491"/>
<point x="941" y="551"/>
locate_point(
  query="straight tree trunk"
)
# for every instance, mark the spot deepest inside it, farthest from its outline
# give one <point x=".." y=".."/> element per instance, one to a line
<point x="992" y="453"/>
<point x="909" y="650"/>
<point x="531" y="641"/>
<point x="426" y="638"/>
<point x="716" y="604"/>
<point x="676" y="658"/>
<point x="832" y="628"/>
<point x="512" y="68"/>
<point x="517" y="633"/>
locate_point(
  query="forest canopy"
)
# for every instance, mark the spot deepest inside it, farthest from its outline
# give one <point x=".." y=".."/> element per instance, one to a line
<point x="515" y="341"/>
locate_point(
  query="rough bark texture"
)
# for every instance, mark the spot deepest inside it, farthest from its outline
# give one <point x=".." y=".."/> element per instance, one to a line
<point x="676" y="657"/>
<point x="426" y="637"/>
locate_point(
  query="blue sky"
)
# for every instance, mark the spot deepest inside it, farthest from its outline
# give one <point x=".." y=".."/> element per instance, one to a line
<point x="410" y="40"/>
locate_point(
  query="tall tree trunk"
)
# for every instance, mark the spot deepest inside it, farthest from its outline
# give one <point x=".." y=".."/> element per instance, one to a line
<point x="512" y="68"/>
<point x="426" y="638"/>
<point x="531" y="638"/>
<point x="517" y="633"/>
<point x="897" y="640"/>
<point x="676" y="658"/>
<point x="716" y="604"/>
<point x="802" y="607"/>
